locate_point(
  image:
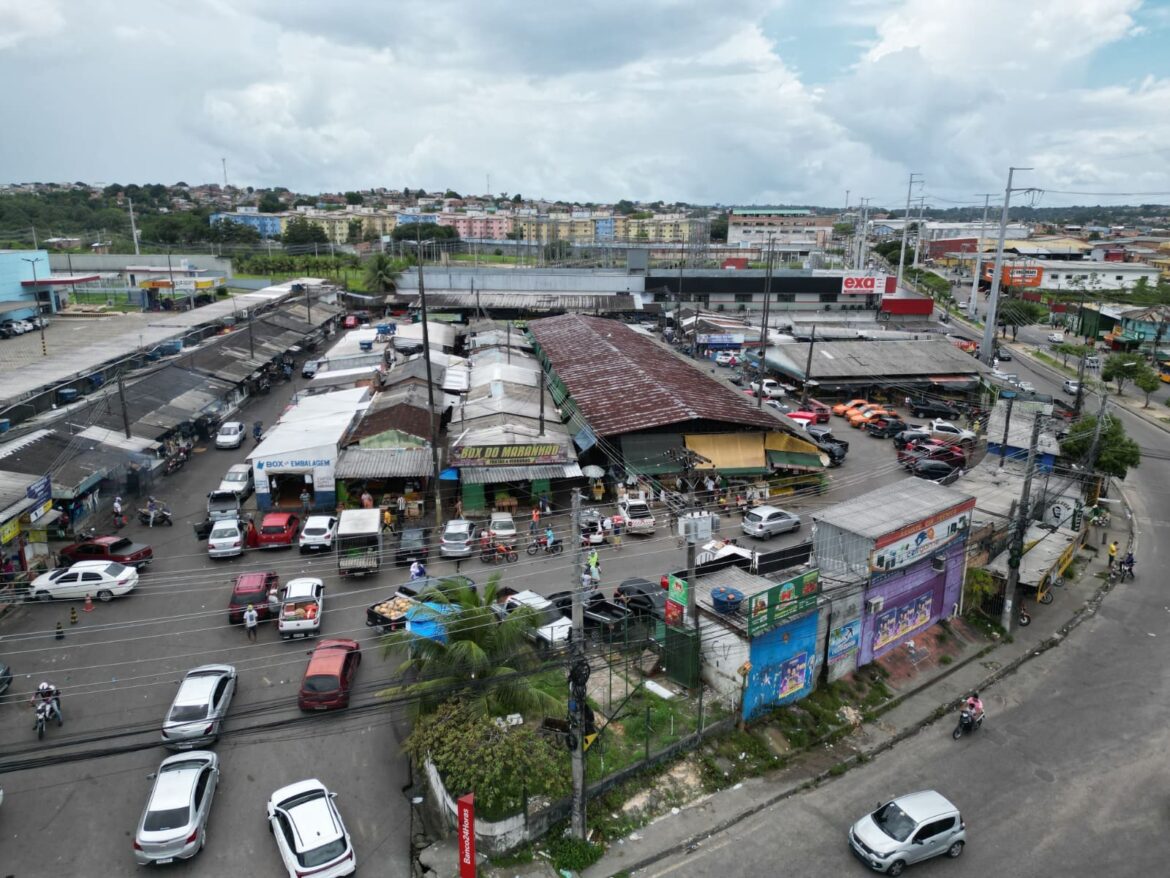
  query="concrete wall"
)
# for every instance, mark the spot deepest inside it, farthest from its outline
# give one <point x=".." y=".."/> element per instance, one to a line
<point x="86" y="263"/>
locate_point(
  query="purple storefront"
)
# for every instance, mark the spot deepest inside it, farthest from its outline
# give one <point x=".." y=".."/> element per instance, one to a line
<point x="898" y="558"/>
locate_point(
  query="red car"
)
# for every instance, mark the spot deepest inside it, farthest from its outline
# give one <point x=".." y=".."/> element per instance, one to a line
<point x="120" y="549"/>
<point x="329" y="675"/>
<point x="278" y="530"/>
<point x="949" y="454"/>
<point x="251" y="588"/>
<point x="819" y="409"/>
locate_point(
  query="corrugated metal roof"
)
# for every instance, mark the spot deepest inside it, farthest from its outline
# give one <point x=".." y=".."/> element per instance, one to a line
<point x="491" y="475"/>
<point x="624" y="382"/>
<point x="887" y="509"/>
<point x="873" y="361"/>
<point x="384" y="463"/>
<point x="544" y="301"/>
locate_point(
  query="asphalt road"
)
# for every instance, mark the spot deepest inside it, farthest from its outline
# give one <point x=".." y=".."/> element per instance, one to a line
<point x="1068" y="775"/>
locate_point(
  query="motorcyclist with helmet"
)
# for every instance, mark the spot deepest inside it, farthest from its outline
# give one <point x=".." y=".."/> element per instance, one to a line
<point x="50" y="695"/>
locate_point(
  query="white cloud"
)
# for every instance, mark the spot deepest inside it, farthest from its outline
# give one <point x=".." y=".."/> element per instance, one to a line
<point x="21" y="21"/>
<point x="594" y="101"/>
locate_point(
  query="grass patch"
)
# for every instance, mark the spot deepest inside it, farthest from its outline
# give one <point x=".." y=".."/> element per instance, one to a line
<point x="573" y="854"/>
<point x="728" y="759"/>
<point x="517" y="857"/>
<point x="946" y="660"/>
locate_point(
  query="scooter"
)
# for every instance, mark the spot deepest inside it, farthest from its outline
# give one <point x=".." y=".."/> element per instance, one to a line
<point x="541" y="543"/>
<point x="967" y="723"/>
<point x="162" y="516"/>
<point x="46" y="710"/>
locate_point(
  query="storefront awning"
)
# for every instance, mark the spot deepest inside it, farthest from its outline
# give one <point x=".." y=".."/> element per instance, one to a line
<point x="384" y="463"/>
<point x="648" y="454"/>
<point x="730" y="453"/>
<point x="494" y="475"/>
<point x="954" y="379"/>
<point x="795" y="460"/>
<point x="788" y="442"/>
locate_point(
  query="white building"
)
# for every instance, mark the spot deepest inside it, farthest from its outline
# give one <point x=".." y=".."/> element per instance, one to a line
<point x="1088" y="276"/>
<point x="938" y="231"/>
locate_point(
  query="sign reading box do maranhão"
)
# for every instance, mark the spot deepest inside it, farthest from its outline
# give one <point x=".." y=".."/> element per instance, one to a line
<point x="769" y="608"/>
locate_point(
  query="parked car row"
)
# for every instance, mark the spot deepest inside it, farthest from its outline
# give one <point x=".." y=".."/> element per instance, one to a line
<point x="13" y="327"/>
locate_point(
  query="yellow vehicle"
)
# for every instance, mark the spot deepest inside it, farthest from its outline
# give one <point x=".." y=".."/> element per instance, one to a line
<point x="1164" y="370"/>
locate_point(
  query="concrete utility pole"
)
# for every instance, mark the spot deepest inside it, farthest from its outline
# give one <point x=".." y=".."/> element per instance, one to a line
<point x="808" y="365"/>
<point x="33" y="262"/>
<point x="1080" y="400"/>
<point x="918" y="231"/>
<point x="122" y="400"/>
<point x="973" y="302"/>
<point x="1095" y="447"/>
<point x="1010" y="396"/>
<point x="133" y="228"/>
<point x="764" y="326"/>
<point x="578" y="667"/>
<point x="905" y="229"/>
<point x="426" y="339"/>
<point x="1016" y="549"/>
<point x="987" y="350"/>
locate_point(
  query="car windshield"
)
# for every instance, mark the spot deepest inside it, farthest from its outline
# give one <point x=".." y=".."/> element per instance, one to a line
<point x="314" y="531"/>
<point x="229" y="430"/>
<point x="224" y="533"/>
<point x="171" y="818"/>
<point x="893" y="821"/>
<point x="324" y="854"/>
<point x="182" y="713"/>
<point x="753" y="517"/>
<point x="320" y="683"/>
<point x="272" y="529"/>
<point x="548" y="616"/>
<point x="236" y="477"/>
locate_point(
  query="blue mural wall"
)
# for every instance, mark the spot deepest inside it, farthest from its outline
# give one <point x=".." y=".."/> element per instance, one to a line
<point x="784" y="663"/>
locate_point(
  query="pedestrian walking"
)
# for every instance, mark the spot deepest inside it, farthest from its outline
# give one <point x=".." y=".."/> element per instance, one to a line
<point x="607" y="528"/>
<point x="586" y="582"/>
<point x="617" y="531"/>
<point x="534" y="524"/>
<point x="401" y="505"/>
<point x="459" y="507"/>
<point x="306" y="501"/>
<point x="1112" y="554"/>
<point x="273" y="604"/>
<point x="367" y="500"/>
<point x="594" y="559"/>
<point x="545" y="506"/>
<point x="251" y="618"/>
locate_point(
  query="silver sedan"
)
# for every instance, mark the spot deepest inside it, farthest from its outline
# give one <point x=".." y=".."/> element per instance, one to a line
<point x="197" y="713"/>
<point x="174" y="822"/>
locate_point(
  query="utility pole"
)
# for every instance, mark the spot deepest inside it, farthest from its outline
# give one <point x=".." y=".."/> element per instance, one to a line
<point x="692" y="599"/>
<point x="905" y="229"/>
<point x="1016" y="549"/>
<point x="422" y="300"/>
<point x="1080" y="400"/>
<point x="764" y="326"/>
<point x="808" y="365"/>
<point x="973" y="301"/>
<point x="987" y="351"/>
<point x="133" y="227"/>
<point x="251" y="340"/>
<point x="308" y="307"/>
<point x="122" y="400"/>
<point x="918" y="233"/>
<point x="578" y="677"/>
<point x="863" y="244"/>
<point x="33" y="262"/>
<point x="1095" y="447"/>
<point x="1007" y="422"/>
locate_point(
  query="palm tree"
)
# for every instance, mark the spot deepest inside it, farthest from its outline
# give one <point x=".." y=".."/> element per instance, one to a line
<point x="382" y="273"/>
<point x="482" y="661"/>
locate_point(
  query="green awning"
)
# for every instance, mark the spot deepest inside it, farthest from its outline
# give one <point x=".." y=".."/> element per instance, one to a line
<point x="647" y="453"/>
<point x="795" y="460"/>
<point x="741" y="470"/>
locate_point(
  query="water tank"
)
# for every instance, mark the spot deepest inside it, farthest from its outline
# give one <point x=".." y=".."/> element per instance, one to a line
<point x="726" y="600"/>
<point x="366" y="346"/>
<point x="5" y="425"/>
<point x="67" y="395"/>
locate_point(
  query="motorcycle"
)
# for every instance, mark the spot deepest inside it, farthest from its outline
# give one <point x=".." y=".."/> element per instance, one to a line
<point x="498" y="554"/>
<point x="539" y="544"/>
<point x="968" y="723"/>
<point x="257" y="432"/>
<point x="119" y="520"/>
<point x="263" y="385"/>
<point x="46" y="710"/>
<point x="162" y="516"/>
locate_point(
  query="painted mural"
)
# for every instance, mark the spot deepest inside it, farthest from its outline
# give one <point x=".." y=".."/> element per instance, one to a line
<point x="895" y="623"/>
<point x="783" y="665"/>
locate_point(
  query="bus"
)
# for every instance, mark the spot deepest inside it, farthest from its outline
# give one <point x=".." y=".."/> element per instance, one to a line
<point x="1164" y="370"/>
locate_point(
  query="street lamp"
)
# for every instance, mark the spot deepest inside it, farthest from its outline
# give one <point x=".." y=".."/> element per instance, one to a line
<point x="40" y="318"/>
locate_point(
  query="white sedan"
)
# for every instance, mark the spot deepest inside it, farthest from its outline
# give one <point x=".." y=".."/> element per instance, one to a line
<point x="230" y="435"/>
<point x="726" y="358"/>
<point x="99" y="579"/>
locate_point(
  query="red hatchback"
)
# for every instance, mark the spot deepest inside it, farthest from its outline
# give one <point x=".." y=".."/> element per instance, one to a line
<point x="278" y="530"/>
<point x="251" y="588"/>
<point x="329" y="676"/>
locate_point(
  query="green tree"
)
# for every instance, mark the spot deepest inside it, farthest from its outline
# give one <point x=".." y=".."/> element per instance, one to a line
<point x="423" y="232"/>
<point x="625" y="207"/>
<point x="1015" y="313"/>
<point x="299" y="230"/>
<point x="354" y="198"/>
<point x="354" y="231"/>
<point x="482" y="662"/>
<point x="501" y="765"/>
<point x="270" y="203"/>
<point x="381" y="273"/>
<point x="840" y="229"/>
<point x="557" y="251"/>
<point x="1147" y="381"/>
<point x="1116" y="452"/>
<point x="517" y="198"/>
<point x="451" y="193"/>
<point x="1122" y="368"/>
<point x="225" y="231"/>
<point x="719" y="228"/>
<point x="1067" y="349"/>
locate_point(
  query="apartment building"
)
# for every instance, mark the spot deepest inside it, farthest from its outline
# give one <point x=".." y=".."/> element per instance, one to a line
<point x="751" y="227"/>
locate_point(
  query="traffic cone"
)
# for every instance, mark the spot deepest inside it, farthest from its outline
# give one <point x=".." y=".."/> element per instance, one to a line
<point x="88" y="603"/>
<point x="73" y="615"/>
<point x="60" y="632"/>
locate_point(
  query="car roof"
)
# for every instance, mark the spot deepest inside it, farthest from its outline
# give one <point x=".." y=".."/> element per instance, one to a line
<point x="239" y="468"/>
<point x="319" y="521"/>
<point x="313" y="819"/>
<point x="302" y="587"/>
<point x="221" y="522"/>
<point x="459" y="524"/>
<point x="768" y="510"/>
<point x="176" y="778"/>
<point x="329" y="656"/>
<point x="530" y="599"/>
<point x="924" y="805"/>
<point x="196" y="688"/>
<point x="275" y="518"/>
<point x="256" y="579"/>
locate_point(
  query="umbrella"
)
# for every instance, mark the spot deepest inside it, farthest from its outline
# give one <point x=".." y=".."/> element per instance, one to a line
<point x="593" y="471"/>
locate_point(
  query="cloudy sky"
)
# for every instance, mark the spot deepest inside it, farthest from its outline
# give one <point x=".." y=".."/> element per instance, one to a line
<point x="736" y="101"/>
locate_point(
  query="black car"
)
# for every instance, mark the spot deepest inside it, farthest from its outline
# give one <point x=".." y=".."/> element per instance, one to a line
<point x="934" y="408"/>
<point x="1003" y="354"/>
<point x="412" y="546"/>
<point x="643" y="598"/>
<point x="5" y="677"/>
<point x="885" y="429"/>
<point x="835" y="450"/>
<point x="936" y="471"/>
<point x="901" y="440"/>
<point x="825" y="434"/>
<point x="310" y="368"/>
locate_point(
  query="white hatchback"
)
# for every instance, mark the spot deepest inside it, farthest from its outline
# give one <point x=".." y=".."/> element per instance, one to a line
<point x="309" y="833"/>
<point x="230" y="435"/>
<point x="226" y="539"/>
<point x="99" y="579"/>
<point x="317" y="534"/>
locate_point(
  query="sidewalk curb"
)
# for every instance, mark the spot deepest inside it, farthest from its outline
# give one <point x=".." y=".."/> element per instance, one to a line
<point x="1087" y="610"/>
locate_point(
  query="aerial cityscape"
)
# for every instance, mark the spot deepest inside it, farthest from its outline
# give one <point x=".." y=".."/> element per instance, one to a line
<point x="697" y="422"/>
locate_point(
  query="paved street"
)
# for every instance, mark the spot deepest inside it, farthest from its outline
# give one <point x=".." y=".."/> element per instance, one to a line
<point x="1067" y="777"/>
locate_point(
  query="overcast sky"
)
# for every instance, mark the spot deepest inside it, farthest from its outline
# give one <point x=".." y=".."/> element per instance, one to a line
<point x="734" y="102"/>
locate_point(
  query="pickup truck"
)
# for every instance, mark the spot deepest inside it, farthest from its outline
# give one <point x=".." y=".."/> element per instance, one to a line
<point x="552" y="630"/>
<point x="933" y="408"/>
<point x="302" y="603"/>
<point x="950" y="432"/>
<point x="635" y="512"/>
<point x="772" y="389"/>
<point x="359" y="542"/>
<point x="392" y="613"/>
<point x="605" y="620"/>
<point x="110" y="548"/>
<point x="824" y="434"/>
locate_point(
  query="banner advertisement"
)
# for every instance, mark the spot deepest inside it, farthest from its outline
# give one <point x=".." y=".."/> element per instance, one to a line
<point x="676" y="601"/>
<point x="508" y="455"/>
<point x="767" y="609"/>
<point x="466" y="805"/>
<point x="895" y="623"/>
<point x="843" y="642"/>
<point x="909" y="544"/>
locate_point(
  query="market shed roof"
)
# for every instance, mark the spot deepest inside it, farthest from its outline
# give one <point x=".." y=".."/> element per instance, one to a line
<point x="890" y="508"/>
<point x="622" y="381"/>
<point x="857" y="360"/>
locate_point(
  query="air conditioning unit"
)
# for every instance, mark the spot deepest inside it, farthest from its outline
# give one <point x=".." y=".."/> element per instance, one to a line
<point x="938" y="563"/>
<point x="874" y="605"/>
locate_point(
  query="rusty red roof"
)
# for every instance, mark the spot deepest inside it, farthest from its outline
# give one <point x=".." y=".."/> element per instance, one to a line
<point x="623" y="381"/>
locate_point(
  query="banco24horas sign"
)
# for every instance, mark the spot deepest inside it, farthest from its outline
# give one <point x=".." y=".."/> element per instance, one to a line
<point x="509" y="455"/>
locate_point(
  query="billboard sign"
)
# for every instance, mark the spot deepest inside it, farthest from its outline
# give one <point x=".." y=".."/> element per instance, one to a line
<point x="916" y="541"/>
<point x="863" y="285"/>
<point x="676" y="601"/>
<point x="1016" y="275"/>
<point x="731" y="338"/>
<point x="769" y="608"/>
<point x="509" y="455"/>
<point x="895" y="623"/>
